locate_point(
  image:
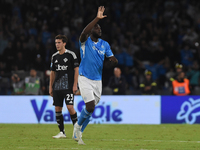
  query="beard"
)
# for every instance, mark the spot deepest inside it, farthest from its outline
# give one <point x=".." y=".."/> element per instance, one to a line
<point x="95" y="35"/>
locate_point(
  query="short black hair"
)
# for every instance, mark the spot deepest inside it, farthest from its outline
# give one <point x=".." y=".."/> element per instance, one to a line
<point x="62" y="37"/>
<point x="96" y="25"/>
<point x="33" y="68"/>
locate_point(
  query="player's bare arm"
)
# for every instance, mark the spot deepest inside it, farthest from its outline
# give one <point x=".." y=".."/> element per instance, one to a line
<point x="51" y="81"/>
<point x="85" y="33"/>
<point x="75" y="88"/>
<point x="113" y="60"/>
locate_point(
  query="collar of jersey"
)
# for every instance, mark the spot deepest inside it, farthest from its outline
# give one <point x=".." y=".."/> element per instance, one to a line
<point x="95" y="42"/>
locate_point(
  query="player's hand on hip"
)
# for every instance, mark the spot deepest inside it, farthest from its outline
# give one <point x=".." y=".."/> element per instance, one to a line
<point x="100" y="12"/>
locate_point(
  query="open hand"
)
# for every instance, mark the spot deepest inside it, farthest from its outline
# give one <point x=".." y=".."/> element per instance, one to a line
<point x="100" y="12"/>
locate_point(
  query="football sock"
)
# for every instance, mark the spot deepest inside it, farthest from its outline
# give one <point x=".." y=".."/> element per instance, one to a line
<point x="59" y="119"/>
<point x="84" y="115"/>
<point x="74" y="118"/>
<point x="85" y="123"/>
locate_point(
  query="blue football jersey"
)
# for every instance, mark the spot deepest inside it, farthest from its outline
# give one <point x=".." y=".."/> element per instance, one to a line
<point x="92" y="57"/>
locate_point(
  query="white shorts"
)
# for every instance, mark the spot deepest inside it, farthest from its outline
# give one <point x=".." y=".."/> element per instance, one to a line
<point x="90" y="89"/>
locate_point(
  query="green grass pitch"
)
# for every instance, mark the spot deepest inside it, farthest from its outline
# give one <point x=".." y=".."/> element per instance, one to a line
<point x="101" y="137"/>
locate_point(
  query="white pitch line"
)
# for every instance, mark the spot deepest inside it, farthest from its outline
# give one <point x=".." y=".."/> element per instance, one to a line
<point x="121" y="140"/>
<point x="173" y="141"/>
<point x="44" y="148"/>
<point x="145" y="140"/>
<point x="80" y="148"/>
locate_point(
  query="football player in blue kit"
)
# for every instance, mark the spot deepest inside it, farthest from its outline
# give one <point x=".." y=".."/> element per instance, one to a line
<point x="92" y="50"/>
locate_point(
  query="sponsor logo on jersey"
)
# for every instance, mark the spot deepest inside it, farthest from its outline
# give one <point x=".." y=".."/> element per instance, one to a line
<point x="61" y="67"/>
<point x="76" y="64"/>
<point x="100" y="52"/>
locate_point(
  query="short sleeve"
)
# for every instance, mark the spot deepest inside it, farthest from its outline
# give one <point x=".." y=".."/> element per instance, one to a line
<point x="108" y="52"/>
<point x="52" y="66"/>
<point x="75" y="61"/>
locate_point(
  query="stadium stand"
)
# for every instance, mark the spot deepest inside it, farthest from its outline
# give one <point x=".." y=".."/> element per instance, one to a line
<point x="158" y="34"/>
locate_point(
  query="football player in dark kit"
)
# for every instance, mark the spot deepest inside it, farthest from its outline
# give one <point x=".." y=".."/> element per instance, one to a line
<point x="63" y="81"/>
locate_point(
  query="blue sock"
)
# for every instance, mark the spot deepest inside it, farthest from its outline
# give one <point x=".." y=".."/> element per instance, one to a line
<point x="85" y="123"/>
<point x="84" y="115"/>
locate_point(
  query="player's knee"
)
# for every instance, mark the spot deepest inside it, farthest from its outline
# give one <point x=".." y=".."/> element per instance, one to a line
<point x="90" y="110"/>
<point x="58" y="109"/>
<point x="90" y="106"/>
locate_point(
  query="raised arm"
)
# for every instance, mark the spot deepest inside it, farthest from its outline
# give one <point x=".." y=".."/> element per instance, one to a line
<point x="85" y="33"/>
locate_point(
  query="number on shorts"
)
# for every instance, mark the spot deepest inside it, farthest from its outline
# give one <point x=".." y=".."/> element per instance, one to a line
<point x="69" y="97"/>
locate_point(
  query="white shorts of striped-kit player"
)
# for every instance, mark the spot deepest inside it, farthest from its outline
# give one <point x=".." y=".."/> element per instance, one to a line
<point x="90" y="89"/>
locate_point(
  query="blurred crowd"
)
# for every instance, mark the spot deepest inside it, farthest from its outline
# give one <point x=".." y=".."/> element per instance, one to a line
<point x="146" y="37"/>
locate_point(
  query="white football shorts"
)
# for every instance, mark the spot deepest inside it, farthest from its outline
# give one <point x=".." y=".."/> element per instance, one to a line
<point x="90" y="89"/>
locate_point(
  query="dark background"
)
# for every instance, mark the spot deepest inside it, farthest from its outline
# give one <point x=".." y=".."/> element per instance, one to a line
<point x="158" y="33"/>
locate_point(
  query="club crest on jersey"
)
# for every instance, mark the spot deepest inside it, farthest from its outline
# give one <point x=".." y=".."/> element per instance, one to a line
<point x="65" y="60"/>
<point x="56" y="61"/>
